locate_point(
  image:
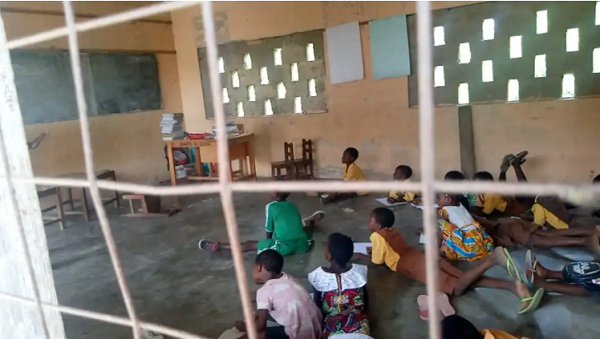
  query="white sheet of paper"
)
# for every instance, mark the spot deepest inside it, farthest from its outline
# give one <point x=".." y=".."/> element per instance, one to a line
<point x="386" y="203"/>
<point x="361" y="247"/>
<point x="344" y="51"/>
<point x="421" y="206"/>
<point x="422" y="239"/>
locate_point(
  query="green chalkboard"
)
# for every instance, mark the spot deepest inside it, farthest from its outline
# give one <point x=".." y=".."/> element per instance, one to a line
<point x="113" y="82"/>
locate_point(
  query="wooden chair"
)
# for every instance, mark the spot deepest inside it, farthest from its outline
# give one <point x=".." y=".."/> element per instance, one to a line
<point x="304" y="167"/>
<point x="287" y="164"/>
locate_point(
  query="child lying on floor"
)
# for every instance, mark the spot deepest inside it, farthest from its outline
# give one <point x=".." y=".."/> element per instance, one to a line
<point x="389" y="247"/>
<point x="340" y="290"/>
<point x="457" y="327"/>
<point x="287" y="233"/>
<point x="462" y="236"/>
<point x="402" y="173"/>
<point x="516" y="232"/>
<point x="576" y="278"/>
<point x="351" y="173"/>
<point x="284" y="299"/>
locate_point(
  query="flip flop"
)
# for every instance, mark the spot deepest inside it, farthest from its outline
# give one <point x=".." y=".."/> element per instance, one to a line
<point x="534" y="301"/>
<point x="443" y="304"/>
<point x="313" y="216"/>
<point x="207" y="245"/>
<point x="505" y="165"/>
<point x="511" y="268"/>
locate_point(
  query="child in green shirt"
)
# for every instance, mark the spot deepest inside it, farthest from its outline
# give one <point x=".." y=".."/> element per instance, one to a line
<point x="286" y="231"/>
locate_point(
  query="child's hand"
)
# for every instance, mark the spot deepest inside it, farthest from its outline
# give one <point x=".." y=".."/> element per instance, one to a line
<point x="420" y="231"/>
<point x="391" y="200"/>
<point x="417" y="202"/>
<point x="240" y="326"/>
<point x="369" y="251"/>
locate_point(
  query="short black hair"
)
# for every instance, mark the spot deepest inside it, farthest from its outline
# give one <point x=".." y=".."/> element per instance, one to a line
<point x="341" y="248"/>
<point x="352" y="151"/>
<point x="384" y="217"/>
<point x="271" y="260"/>
<point x="454" y="176"/>
<point x="405" y="170"/>
<point x="282" y="196"/>
<point x="484" y="175"/>
<point x="457" y="327"/>
<point x="596" y="178"/>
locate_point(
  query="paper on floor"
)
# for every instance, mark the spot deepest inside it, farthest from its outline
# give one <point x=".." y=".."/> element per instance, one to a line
<point x="421" y="206"/>
<point x="361" y="247"/>
<point x="386" y="203"/>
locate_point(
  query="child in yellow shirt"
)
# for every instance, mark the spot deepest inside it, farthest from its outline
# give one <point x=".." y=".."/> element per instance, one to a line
<point x="457" y="327"/>
<point x="351" y="173"/>
<point x="402" y="173"/>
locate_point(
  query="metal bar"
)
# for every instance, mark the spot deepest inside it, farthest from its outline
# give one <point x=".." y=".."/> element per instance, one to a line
<point x="89" y="167"/>
<point x="427" y="138"/>
<point x="224" y="167"/>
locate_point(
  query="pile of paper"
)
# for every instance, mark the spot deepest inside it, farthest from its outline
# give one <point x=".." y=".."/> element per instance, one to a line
<point x="171" y="126"/>
<point x="231" y="128"/>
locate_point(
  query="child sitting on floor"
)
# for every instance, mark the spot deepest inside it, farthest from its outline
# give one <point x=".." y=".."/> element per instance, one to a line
<point x="351" y="173"/>
<point x="284" y="299"/>
<point x="389" y="247"/>
<point x="462" y="236"/>
<point x="402" y="173"/>
<point x="287" y="233"/>
<point x="340" y="290"/>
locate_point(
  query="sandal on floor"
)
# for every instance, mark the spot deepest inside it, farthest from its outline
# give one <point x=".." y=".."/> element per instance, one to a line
<point x="208" y="245"/>
<point x="511" y="267"/>
<point x="534" y="301"/>
<point x="505" y="165"/>
<point x="443" y="305"/>
<point x="313" y="216"/>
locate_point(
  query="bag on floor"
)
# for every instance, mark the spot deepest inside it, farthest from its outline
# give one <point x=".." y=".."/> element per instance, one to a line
<point x="582" y="272"/>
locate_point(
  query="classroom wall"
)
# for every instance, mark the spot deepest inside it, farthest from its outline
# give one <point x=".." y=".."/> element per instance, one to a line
<point x="374" y="115"/>
<point x="129" y="143"/>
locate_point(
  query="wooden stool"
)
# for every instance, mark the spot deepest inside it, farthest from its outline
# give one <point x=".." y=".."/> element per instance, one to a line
<point x="150" y="206"/>
<point x="304" y="167"/>
<point x="49" y="219"/>
<point x="287" y="164"/>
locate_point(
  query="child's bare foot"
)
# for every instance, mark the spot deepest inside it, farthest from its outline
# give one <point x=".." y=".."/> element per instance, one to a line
<point x="523" y="293"/>
<point x="314" y="218"/>
<point x="208" y="245"/>
<point x="534" y="266"/>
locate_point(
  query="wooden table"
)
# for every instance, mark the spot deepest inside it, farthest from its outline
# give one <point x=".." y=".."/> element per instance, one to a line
<point x="241" y="150"/>
<point x="102" y="174"/>
<point x="45" y="191"/>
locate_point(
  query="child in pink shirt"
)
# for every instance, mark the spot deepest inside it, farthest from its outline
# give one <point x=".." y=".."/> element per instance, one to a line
<point x="285" y="300"/>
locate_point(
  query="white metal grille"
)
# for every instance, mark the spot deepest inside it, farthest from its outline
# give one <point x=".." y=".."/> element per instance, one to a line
<point x="428" y="186"/>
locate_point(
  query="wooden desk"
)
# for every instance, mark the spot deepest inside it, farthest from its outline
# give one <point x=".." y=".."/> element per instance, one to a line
<point x="45" y="191"/>
<point x="102" y="174"/>
<point x="241" y="149"/>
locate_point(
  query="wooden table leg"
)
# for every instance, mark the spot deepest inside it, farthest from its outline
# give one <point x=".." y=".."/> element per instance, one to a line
<point x="250" y="152"/>
<point x="86" y="209"/>
<point x="171" y="164"/>
<point x="199" y="168"/>
<point x="70" y="193"/>
<point x="114" y="178"/>
<point x="59" y="209"/>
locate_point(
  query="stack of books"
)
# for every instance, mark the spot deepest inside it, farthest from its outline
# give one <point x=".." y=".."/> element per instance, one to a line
<point x="231" y="127"/>
<point x="171" y="126"/>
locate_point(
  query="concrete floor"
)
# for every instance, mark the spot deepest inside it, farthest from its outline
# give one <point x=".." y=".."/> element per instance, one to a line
<point x="175" y="284"/>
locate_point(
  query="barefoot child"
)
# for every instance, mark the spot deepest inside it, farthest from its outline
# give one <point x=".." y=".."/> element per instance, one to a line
<point x="402" y="173"/>
<point x="351" y="173"/>
<point x="287" y="233"/>
<point x="462" y="236"/>
<point x="284" y="299"/>
<point x="516" y="232"/>
<point x="576" y="278"/>
<point x="341" y="289"/>
<point x="389" y="247"/>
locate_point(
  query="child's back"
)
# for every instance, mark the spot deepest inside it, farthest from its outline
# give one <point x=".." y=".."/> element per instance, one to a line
<point x="290" y="305"/>
<point x="285" y="222"/>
